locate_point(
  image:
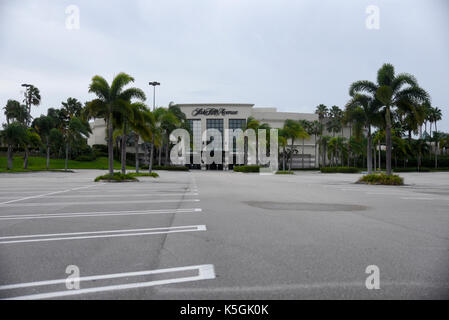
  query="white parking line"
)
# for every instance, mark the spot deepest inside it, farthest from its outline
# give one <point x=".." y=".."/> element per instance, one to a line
<point x="44" y="204"/>
<point x="99" y="234"/>
<point x="46" y="194"/>
<point x="205" y="272"/>
<point x="96" y="214"/>
<point x="78" y="196"/>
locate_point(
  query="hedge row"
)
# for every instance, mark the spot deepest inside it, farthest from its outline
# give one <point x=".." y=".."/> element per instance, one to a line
<point x="251" y="168"/>
<point x="339" y="170"/>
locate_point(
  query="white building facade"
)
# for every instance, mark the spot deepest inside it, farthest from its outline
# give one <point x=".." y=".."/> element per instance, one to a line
<point x="202" y="116"/>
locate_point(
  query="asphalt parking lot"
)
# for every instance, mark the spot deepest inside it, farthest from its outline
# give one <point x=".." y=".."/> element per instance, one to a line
<point x="222" y="235"/>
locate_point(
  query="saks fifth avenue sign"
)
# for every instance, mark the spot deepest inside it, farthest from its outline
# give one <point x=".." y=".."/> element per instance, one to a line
<point x="212" y="112"/>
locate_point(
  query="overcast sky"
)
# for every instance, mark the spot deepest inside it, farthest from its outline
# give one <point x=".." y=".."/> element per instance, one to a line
<point x="289" y="54"/>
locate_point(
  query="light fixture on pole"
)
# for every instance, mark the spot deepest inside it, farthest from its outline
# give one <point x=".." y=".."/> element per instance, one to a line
<point x="154" y="84"/>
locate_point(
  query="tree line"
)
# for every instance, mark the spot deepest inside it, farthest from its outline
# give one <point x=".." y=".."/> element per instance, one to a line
<point x="386" y="112"/>
<point x="65" y="130"/>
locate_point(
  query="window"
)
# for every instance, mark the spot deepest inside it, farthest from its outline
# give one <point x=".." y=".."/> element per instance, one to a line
<point x="215" y="124"/>
<point x="195" y="127"/>
<point x="235" y="124"/>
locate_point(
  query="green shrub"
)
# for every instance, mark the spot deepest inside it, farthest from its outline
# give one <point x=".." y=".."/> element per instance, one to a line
<point x="339" y="170"/>
<point x="285" y="172"/>
<point x="145" y="174"/>
<point x="382" y="179"/>
<point x="246" y="169"/>
<point x="116" y="177"/>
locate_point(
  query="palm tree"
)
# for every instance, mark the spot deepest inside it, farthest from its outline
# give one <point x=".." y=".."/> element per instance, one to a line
<point x="113" y="99"/>
<point x="139" y="126"/>
<point x="75" y="130"/>
<point x="155" y="126"/>
<point x="43" y="126"/>
<point x="13" y="134"/>
<point x="364" y="111"/>
<point x="307" y="125"/>
<point x="336" y="120"/>
<point x="132" y="118"/>
<point x="317" y="130"/>
<point x="178" y="121"/>
<point x="322" y="112"/>
<point x="378" y="137"/>
<point x="420" y="148"/>
<point x="253" y="124"/>
<point x="169" y="122"/>
<point x="390" y="91"/>
<point x="324" y="141"/>
<point x="293" y="130"/>
<point x="282" y="142"/>
<point x="32" y="97"/>
<point x="14" y="111"/>
<point x="435" y="116"/>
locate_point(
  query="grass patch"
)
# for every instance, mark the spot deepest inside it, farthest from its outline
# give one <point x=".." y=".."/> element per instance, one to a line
<point x="38" y="164"/>
<point x="339" y="170"/>
<point x="285" y="172"/>
<point x="246" y="169"/>
<point x="117" y="177"/>
<point x="382" y="178"/>
<point x="145" y="174"/>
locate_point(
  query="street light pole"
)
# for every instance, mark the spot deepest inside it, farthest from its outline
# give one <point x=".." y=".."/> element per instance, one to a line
<point x="27" y="98"/>
<point x="154" y="84"/>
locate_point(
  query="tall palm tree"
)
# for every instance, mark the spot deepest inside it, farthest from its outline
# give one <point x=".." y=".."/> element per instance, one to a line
<point x="253" y="124"/>
<point x="293" y="130"/>
<point x="75" y="130"/>
<point x="282" y="142"/>
<point x="307" y="125"/>
<point x="435" y="116"/>
<point x="126" y="121"/>
<point x="140" y="128"/>
<point x="43" y="126"/>
<point x="111" y="100"/>
<point x="322" y="112"/>
<point x="32" y="97"/>
<point x="364" y="111"/>
<point x="157" y="132"/>
<point x="324" y="142"/>
<point x="420" y="147"/>
<point x="317" y="131"/>
<point x="390" y="91"/>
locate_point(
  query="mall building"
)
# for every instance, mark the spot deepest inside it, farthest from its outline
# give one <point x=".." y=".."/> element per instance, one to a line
<point x="202" y="116"/>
